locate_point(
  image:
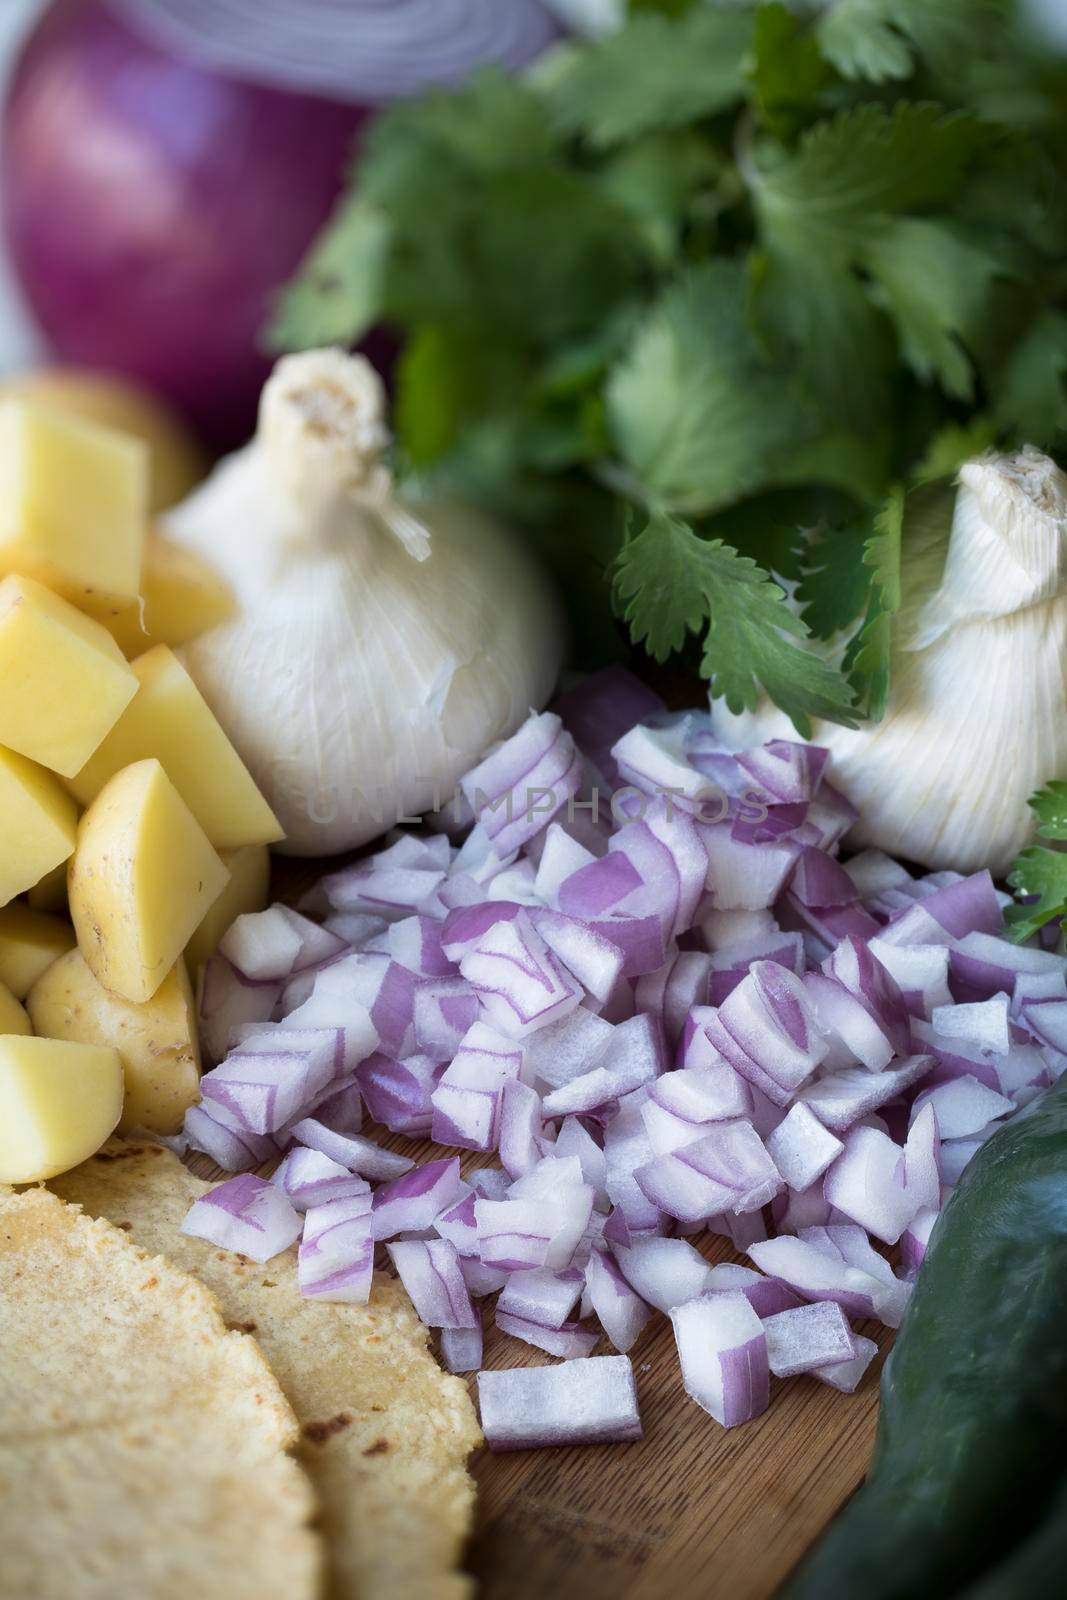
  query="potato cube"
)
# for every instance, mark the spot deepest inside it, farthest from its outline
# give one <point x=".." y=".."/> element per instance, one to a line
<point x="170" y="720"/>
<point x="58" y="1103"/>
<point x="40" y="823"/>
<point x="247" y="890"/>
<point x="156" y="1041"/>
<point x="29" y="943"/>
<point x="141" y="881"/>
<point x="75" y="502"/>
<point x="13" y="1017"/>
<point x="181" y="596"/>
<point x="64" y="682"/>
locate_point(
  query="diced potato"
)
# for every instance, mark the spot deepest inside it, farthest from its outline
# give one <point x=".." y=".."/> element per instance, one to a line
<point x="13" y="1017"/>
<point x="141" y="881"/>
<point x="170" y="720"/>
<point x="29" y="943"/>
<point x="74" y="502"/>
<point x="176" y="461"/>
<point x="51" y="893"/>
<point x="38" y="824"/>
<point x="181" y="596"/>
<point x="58" y="1103"/>
<point x="64" y="682"/>
<point x="156" y="1041"/>
<point x="247" y="890"/>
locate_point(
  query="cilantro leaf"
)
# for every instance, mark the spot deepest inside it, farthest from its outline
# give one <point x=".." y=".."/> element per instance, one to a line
<point x="951" y="446"/>
<point x="1041" y="874"/>
<point x="837" y="581"/>
<point x="787" y="71"/>
<point x="867" y="660"/>
<point x="878" y="39"/>
<point x="1031" y="394"/>
<point x="1038" y="872"/>
<point x="340" y="291"/>
<point x="1049" y="805"/>
<point x="669" y="583"/>
<point x="822" y="210"/>
<point x="934" y="282"/>
<point x="696" y="416"/>
<point x="655" y="73"/>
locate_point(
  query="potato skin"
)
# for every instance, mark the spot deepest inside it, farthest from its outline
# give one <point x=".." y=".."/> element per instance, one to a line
<point x="156" y="1040"/>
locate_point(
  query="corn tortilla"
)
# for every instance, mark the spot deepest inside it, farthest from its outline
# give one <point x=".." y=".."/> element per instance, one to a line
<point x="143" y="1445"/>
<point x="385" y="1434"/>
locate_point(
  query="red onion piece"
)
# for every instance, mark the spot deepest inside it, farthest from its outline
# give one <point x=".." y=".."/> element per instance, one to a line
<point x="963" y="1106"/>
<point x="547" y="1298"/>
<point x="802" y="1148"/>
<point x="247" y="1215"/>
<point x="336" y="1257"/>
<point x="620" y="1311"/>
<point x="845" y="1376"/>
<point x="310" y="1178"/>
<point x="806" y="1338"/>
<point x="429" y="1270"/>
<point x="412" y="1202"/>
<point x="586" y="1401"/>
<point x="723" y="1353"/>
<point x="764" y="1295"/>
<point x="664" y="1272"/>
<point x="461" y="1349"/>
<point x="351" y="1151"/>
<point x="572" y="1341"/>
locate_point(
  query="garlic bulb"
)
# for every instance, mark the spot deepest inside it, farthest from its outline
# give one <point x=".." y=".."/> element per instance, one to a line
<point x="977" y="718"/>
<point x="380" y="645"/>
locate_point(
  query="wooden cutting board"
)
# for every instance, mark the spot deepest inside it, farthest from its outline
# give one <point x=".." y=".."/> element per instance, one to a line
<point x="721" y="1514"/>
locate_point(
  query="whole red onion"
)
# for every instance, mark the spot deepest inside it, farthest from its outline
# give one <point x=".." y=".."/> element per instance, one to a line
<point x="166" y="164"/>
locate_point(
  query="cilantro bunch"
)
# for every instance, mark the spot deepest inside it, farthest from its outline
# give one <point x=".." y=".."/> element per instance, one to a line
<point x="697" y="304"/>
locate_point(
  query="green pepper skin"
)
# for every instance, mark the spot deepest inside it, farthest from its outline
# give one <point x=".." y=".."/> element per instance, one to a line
<point x="1037" y="1569"/>
<point x="970" y="1454"/>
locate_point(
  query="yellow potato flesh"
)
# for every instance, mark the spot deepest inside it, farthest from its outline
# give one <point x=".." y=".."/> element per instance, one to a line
<point x="247" y="890"/>
<point x="169" y="720"/>
<point x="156" y="1041"/>
<point x="58" y="1103"/>
<point x="38" y="824"/>
<point x="181" y="596"/>
<point x="176" y="461"/>
<point x="30" y="942"/>
<point x="74" y="503"/>
<point x="64" y="682"/>
<point x="141" y="881"/>
<point x="13" y="1017"/>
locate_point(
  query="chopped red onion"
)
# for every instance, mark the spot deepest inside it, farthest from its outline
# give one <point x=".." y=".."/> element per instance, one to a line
<point x="816" y="1275"/>
<point x="232" y="1151"/>
<point x="429" y="1270"/>
<point x="247" y="1215"/>
<point x="310" y="1178"/>
<point x="547" y="1298"/>
<point x="846" y="1376"/>
<point x="571" y="1341"/>
<point x="227" y="1001"/>
<point x="621" y="1312"/>
<point x="766" y="1029"/>
<point x="520" y="1128"/>
<point x="664" y="1272"/>
<point x="264" y="1083"/>
<point x="461" y="1349"/>
<point x="982" y="1023"/>
<point x="728" y="1168"/>
<point x="806" y="1338"/>
<point x="963" y="1106"/>
<point x="520" y="982"/>
<point x="744" y="877"/>
<point x="850" y="1031"/>
<point x="723" y="1354"/>
<point x="765" y="1295"/>
<point x="336" y="1258"/>
<point x="413" y="1202"/>
<point x="841" y="1098"/>
<point x="399" y="1093"/>
<point x="351" y="1151"/>
<point x="802" y="1148"/>
<point x="920" y="971"/>
<point x="915" y="1240"/>
<point x="592" y="1400"/>
<point x="866" y="1183"/>
<point x="574" y="1139"/>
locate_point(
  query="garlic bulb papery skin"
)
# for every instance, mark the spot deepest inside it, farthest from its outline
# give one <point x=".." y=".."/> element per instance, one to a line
<point x="977" y="719"/>
<point x="380" y="646"/>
